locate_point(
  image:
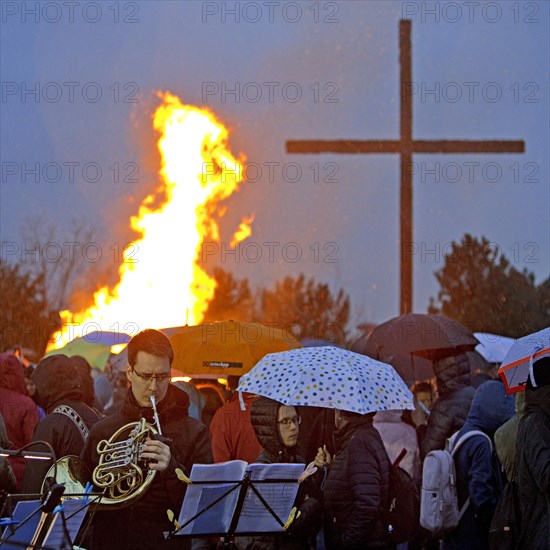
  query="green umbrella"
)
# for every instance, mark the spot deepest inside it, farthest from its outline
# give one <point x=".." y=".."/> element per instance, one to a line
<point x="95" y="354"/>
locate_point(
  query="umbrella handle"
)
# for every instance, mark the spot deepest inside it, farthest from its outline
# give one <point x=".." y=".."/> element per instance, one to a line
<point x="399" y="458"/>
<point x="531" y="361"/>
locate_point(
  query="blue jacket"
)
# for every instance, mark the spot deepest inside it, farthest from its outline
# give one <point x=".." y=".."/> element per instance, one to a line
<point x="478" y="472"/>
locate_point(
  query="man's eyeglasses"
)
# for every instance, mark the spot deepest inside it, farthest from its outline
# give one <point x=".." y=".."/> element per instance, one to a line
<point x="286" y="422"/>
<point x="148" y="378"/>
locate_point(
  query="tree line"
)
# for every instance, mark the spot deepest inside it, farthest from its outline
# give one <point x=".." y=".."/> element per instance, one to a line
<point x="478" y="287"/>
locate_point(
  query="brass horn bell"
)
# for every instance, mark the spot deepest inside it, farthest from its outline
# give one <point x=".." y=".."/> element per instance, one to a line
<point x="122" y="474"/>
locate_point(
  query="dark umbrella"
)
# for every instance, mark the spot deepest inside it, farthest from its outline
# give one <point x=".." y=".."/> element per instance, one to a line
<point x="427" y="337"/>
<point x="410" y="367"/>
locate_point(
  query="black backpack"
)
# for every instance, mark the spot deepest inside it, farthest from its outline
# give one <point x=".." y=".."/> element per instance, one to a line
<point x="402" y="517"/>
<point x="504" y="533"/>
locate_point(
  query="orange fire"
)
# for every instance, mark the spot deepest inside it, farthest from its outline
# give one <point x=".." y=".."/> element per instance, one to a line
<point x="244" y="231"/>
<point x="162" y="283"/>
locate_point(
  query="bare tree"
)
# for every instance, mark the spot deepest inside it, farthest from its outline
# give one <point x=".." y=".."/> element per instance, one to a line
<point x="59" y="259"/>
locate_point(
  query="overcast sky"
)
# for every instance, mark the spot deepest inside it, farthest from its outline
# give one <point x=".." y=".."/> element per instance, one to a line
<point x="78" y="89"/>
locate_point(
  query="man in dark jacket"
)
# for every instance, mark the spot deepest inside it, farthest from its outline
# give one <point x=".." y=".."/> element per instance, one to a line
<point x="357" y="486"/>
<point x="140" y="525"/>
<point x="533" y="459"/>
<point x="68" y="420"/>
<point x="453" y="404"/>
<point x="478" y="472"/>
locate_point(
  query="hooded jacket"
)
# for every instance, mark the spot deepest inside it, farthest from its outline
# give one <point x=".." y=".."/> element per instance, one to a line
<point x="18" y="410"/>
<point x="140" y="525"/>
<point x="477" y="468"/>
<point x="533" y="469"/>
<point x="57" y="383"/>
<point x="263" y="417"/>
<point x="231" y="432"/>
<point x="453" y="404"/>
<point x="357" y="488"/>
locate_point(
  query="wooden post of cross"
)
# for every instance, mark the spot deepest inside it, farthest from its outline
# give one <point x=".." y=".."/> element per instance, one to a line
<point x="406" y="146"/>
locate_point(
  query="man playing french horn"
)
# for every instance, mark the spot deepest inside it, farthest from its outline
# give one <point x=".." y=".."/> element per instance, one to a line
<point x="140" y="478"/>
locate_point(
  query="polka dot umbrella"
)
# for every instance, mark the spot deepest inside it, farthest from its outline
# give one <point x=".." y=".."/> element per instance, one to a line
<point x="329" y="377"/>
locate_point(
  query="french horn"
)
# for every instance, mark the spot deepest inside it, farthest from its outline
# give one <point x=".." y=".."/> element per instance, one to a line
<point x="122" y="474"/>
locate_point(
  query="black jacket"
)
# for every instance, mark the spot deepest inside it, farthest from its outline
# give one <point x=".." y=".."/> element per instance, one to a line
<point x="57" y="383"/>
<point x="453" y="404"/>
<point x="140" y="525"/>
<point x="357" y="488"/>
<point x="533" y="469"/>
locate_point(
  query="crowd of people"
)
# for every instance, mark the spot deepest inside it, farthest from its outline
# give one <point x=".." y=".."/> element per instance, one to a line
<point x="72" y="408"/>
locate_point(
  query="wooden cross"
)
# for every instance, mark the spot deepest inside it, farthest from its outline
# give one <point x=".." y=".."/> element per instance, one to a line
<point x="406" y="146"/>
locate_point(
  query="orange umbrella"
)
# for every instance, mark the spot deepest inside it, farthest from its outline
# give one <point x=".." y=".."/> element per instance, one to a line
<point x="227" y="347"/>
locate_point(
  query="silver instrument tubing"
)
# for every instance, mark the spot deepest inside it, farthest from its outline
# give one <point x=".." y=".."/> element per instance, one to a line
<point x="155" y="414"/>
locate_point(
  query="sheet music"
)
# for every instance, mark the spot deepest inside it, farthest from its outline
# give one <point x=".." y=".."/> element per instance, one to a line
<point x="254" y="517"/>
<point x="280" y="497"/>
<point x="216" y="519"/>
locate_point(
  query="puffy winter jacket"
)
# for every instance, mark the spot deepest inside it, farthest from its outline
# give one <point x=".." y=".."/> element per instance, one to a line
<point x="357" y="488"/>
<point x="264" y="417"/>
<point x="533" y="469"/>
<point x="453" y="404"/>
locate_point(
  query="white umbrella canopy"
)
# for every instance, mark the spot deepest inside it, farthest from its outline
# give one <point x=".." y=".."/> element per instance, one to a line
<point x="492" y="347"/>
<point x="514" y="369"/>
<point x="328" y="377"/>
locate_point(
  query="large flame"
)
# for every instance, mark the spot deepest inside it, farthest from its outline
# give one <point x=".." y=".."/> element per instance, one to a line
<point x="162" y="283"/>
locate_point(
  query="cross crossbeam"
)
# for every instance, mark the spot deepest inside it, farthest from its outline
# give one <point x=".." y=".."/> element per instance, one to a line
<point x="406" y="146"/>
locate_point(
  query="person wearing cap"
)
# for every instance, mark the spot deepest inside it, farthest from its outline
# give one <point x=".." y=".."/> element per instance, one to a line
<point x="533" y="458"/>
<point x="68" y="419"/>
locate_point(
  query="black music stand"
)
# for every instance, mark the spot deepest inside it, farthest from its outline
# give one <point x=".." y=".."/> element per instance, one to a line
<point x="226" y="508"/>
<point x="46" y="523"/>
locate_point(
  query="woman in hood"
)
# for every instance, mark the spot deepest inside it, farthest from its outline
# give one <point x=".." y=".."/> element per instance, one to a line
<point x="277" y="427"/>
